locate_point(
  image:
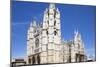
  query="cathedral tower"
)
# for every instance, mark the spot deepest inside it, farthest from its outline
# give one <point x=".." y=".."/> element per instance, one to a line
<point x="78" y="54"/>
<point x="51" y="35"/>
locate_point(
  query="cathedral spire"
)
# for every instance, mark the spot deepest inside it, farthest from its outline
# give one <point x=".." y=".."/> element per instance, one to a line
<point x="41" y="24"/>
<point x="76" y="31"/>
<point x="58" y="10"/>
<point x="34" y="23"/>
<point x="31" y="24"/>
<point x="77" y="35"/>
<point x="45" y="11"/>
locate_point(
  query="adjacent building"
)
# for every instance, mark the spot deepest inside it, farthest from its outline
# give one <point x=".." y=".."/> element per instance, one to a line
<point x="17" y="62"/>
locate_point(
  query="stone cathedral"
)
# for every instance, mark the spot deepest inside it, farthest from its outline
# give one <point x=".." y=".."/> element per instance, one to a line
<point x="45" y="45"/>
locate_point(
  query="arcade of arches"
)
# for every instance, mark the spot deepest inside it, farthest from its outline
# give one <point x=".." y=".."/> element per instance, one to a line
<point x="34" y="59"/>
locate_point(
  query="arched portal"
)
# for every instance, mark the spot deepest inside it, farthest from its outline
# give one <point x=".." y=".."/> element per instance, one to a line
<point x="38" y="59"/>
<point x="33" y="60"/>
<point x="29" y="61"/>
<point x="79" y="57"/>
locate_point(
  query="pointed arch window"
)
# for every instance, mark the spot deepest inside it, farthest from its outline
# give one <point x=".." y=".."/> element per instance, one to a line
<point x="48" y="22"/>
<point x="48" y="12"/>
<point x="55" y="32"/>
<point x="37" y="43"/>
<point x="47" y="32"/>
<point x="54" y="13"/>
<point x="54" y="23"/>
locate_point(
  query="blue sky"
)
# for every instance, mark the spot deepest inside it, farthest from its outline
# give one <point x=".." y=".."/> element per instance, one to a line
<point x="72" y="16"/>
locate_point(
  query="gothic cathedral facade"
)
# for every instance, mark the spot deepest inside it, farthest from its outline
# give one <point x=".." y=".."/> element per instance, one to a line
<point x="44" y="43"/>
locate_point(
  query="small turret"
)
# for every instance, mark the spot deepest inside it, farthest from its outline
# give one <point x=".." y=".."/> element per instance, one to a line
<point x="58" y="10"/>
<point x="34" y="23"/>
<point x="52" y="6"/>
<point x="77" y="35"/>
<point x="31" y="24"/>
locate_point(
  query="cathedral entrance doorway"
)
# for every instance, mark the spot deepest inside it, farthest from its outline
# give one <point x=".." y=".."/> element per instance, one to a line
<point x="33" y="60"/>
<point x="79" y="57"/>
<point x="29" y="60"/>
<point x="38" y="59"/>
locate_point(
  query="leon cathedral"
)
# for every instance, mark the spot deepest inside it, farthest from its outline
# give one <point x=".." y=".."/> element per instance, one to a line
<point x="45" y="45"/>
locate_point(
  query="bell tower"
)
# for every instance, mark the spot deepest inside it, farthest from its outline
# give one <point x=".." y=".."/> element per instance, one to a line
<point x="51" y="35"/>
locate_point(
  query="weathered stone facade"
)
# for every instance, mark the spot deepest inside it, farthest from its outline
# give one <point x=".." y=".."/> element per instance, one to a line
<point x="44" y="43"/>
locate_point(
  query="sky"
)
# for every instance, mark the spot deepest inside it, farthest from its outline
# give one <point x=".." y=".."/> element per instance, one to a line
<point x="72" y="17"/>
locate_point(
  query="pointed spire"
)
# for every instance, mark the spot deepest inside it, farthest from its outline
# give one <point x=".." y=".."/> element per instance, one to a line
<point x="46" y="10"/>
<point x="58" y="10"/>
<point x="41" y="24"/>
<point x="75" y="31"/>
<point x="77" y="35"/>
<point x="38" y="25"/>
<point x="28" y="31"/>
<point x="52" y="6"/>
<point x="31" y="24"/>
<point x="34" y="23"/>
